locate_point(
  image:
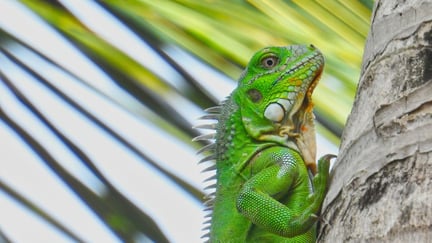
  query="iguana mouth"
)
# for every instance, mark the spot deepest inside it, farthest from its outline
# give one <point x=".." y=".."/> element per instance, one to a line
<point x="297" y="104"/>
<point x="306" y="105"/>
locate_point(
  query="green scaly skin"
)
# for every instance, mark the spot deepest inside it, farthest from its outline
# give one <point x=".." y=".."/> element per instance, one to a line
<point x="269" y="188"/>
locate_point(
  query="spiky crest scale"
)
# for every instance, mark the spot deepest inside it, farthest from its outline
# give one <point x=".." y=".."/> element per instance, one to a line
<point x="213" y="177"/>
<point x="207" y="148"/>
<point x="210" y="168"/>
<point x="208" y="158"/>
<point x="214" y="109"/>
<point x="204" y="137"/>
<point x="210" y="126"/>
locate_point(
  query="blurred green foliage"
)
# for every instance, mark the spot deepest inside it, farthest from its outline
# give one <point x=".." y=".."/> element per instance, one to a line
<point x="222" y="35"/>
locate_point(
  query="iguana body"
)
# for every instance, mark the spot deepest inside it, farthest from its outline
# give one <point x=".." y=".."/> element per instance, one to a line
<point x="265" y="152"/>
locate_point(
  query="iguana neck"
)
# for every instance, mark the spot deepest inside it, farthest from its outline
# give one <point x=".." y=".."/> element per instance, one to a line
<point x="230" y="133"/>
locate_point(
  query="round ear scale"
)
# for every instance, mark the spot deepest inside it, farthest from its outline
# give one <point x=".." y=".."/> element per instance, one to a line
<point x="274" y="112"/>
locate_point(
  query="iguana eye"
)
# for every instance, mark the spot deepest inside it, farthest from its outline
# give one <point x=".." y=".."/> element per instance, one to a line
<point x="254" y="95"/>
<point x="274" y="112"/>
<point x="270" y="62"/>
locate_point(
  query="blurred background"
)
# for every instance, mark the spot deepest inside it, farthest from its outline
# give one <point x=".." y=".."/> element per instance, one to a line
<point x="97" y="101"/>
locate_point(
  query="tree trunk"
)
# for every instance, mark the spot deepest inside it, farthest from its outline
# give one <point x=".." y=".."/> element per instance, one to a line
<point x="381" y="190"/>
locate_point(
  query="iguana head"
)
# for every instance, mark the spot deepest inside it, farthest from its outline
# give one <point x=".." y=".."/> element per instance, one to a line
<point x="274" y="95"/>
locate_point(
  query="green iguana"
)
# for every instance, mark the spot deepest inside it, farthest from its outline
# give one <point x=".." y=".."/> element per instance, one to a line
<point x="268" y="187"/>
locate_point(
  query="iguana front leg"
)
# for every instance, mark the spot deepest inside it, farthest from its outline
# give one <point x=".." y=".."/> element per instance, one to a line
<point x="279" y="198"/>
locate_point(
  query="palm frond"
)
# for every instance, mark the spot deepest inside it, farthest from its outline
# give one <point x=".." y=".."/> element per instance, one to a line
<point x="99" y="100"/>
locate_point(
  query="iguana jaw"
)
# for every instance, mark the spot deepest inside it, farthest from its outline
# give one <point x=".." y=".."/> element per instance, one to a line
<point x="294" y="95"/>
<point x="300" y="127"/>
<point x="295" y="122"/>
<point x="296" y="129"/>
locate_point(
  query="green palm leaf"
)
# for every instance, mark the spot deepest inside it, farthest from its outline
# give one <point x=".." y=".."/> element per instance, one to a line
<point x="97" y="101"/>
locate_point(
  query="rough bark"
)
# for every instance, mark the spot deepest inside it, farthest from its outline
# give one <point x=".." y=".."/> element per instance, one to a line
<point x="381" y="189"/>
